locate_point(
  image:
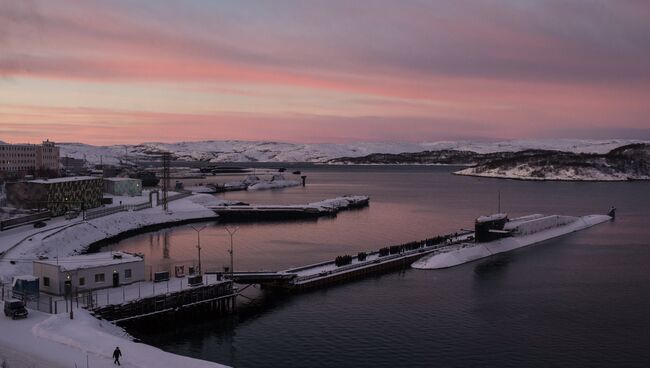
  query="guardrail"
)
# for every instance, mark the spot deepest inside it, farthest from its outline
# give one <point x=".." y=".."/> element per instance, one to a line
<point x="101" y="212"/>
<point x="18" y="221"/>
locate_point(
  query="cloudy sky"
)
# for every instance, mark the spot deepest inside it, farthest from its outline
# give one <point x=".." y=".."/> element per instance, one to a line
<point x="323" y="71"/>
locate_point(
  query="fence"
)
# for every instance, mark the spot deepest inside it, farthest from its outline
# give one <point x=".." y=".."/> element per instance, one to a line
<point x="177" y="196"/>
<point x="101" y="212"/>
<point x="8" y="224"/>
<point x="136" y="291"/>
<point x="43" y="303"/>
<point x="139" y="207"/>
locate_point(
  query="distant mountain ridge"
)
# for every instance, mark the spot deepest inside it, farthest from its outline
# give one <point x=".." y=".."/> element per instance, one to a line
<point x="263" y="151"/>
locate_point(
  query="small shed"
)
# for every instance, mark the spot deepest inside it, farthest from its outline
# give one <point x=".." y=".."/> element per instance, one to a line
<point x="123" y="186"/>
<point x="89" y="271"/>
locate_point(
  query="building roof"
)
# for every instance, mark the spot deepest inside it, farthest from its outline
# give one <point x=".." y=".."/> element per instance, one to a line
<point x="93" y="260"/>
<point x="63" y="180"/>
<point x="121" y="179"/>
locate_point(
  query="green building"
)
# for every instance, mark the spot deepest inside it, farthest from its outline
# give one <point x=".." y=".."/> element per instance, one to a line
<point x="57" y="195"/>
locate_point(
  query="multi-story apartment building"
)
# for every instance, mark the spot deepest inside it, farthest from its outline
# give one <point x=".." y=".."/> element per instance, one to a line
<point x="21" y="159"/>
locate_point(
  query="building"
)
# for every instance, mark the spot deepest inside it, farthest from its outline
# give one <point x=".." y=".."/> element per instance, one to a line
<point x="23" y="159"/>
<point x="89" y="271"/>
<point x="58" y="195"/>
<point x="123" y="186"/>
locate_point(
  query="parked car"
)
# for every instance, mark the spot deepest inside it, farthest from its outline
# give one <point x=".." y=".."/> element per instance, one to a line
<point x="39" y="224"/>
<point x="71" y="215"/>
<point x="15" y="309"/>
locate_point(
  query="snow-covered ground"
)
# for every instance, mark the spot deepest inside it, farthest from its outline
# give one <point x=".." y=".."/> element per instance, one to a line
<point x="44" y="340"/>
<point x="258" y="151"/>
<point x="64" y="343"/>
<point x="68" y="237"/>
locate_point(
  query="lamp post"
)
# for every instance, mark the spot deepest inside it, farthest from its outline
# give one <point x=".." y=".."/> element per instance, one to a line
<point x="231" y="232"/>
<point x="198" y="245"/>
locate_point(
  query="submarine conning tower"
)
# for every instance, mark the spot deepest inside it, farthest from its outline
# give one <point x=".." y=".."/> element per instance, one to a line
<point x="489" y="228"/>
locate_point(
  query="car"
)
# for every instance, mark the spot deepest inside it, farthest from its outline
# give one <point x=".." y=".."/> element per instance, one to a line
<point x="39" y="224"/>
<point x="70" y="215"/>
<point x="15" y="309"/>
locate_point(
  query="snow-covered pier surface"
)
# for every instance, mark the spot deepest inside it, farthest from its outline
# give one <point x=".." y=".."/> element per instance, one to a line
<point x="457" y="254"/>
<point x="45" y="340"/>
<point x="326" y="207"/>
<point x="359" y="266"/>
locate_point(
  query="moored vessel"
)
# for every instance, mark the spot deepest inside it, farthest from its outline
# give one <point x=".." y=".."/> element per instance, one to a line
<point x="497" y="234"/>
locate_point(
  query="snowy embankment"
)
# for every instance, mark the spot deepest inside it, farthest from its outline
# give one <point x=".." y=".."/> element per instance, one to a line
<point x="44" y="340"/>
<point x="76" y="236"/>
<point x="526" y="172"/>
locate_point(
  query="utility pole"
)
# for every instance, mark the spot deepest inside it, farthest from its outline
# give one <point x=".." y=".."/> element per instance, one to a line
<point x="231" y="232"/>
<point x="499" y="208"/>
<point x="166" y="178"/>
<point x="198" y="244"/>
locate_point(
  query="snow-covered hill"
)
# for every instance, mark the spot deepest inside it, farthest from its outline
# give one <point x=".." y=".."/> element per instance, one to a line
<point x="630" y="162"/>
<point x="259" y="151"/>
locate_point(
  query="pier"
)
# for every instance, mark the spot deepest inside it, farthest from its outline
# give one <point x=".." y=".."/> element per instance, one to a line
<point x="147" y="300"/>
<point x="216" y="295"/>
<point x="330" y="207"/>
<point x="356" y="267"/>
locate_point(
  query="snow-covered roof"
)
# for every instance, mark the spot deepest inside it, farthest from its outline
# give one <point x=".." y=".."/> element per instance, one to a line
<point x="121" y="179"/>
<point x="72" y="263"/>
<point x="496" y="216"/>
<point x="63" y="180"/>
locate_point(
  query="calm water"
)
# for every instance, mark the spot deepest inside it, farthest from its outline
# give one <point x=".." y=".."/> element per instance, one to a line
<point x="581" y="300"/>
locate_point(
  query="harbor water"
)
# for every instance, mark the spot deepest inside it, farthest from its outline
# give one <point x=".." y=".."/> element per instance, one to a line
<point x="579" y="300"/>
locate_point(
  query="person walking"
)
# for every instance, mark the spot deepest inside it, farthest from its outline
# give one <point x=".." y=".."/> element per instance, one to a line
<point x="116" y="355"/>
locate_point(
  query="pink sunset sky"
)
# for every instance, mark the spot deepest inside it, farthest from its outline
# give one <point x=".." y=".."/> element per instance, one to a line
<point x="105" y="72"/>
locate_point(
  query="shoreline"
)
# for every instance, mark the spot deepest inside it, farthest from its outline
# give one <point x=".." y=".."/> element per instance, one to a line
<point x="586" y="180"/>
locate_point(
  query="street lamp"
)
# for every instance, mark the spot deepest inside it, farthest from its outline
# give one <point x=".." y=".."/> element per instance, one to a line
<point x="231" y="232"/>
<point x="198" y="245"/>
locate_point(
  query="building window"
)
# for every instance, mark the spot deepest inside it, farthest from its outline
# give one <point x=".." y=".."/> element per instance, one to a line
<point x="46" y="281"/>
<point x="99" y="277"/>
<point x="82" y="281"/>
<point x="127" y="273"/>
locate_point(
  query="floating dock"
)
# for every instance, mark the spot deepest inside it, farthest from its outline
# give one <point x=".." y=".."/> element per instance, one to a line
<point x="330" y="207"/>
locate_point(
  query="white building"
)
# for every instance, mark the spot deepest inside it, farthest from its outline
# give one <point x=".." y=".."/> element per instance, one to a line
<point x="89" y="271"/>
<point x="123" y="186"/>
<point x="28" y="158"/>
